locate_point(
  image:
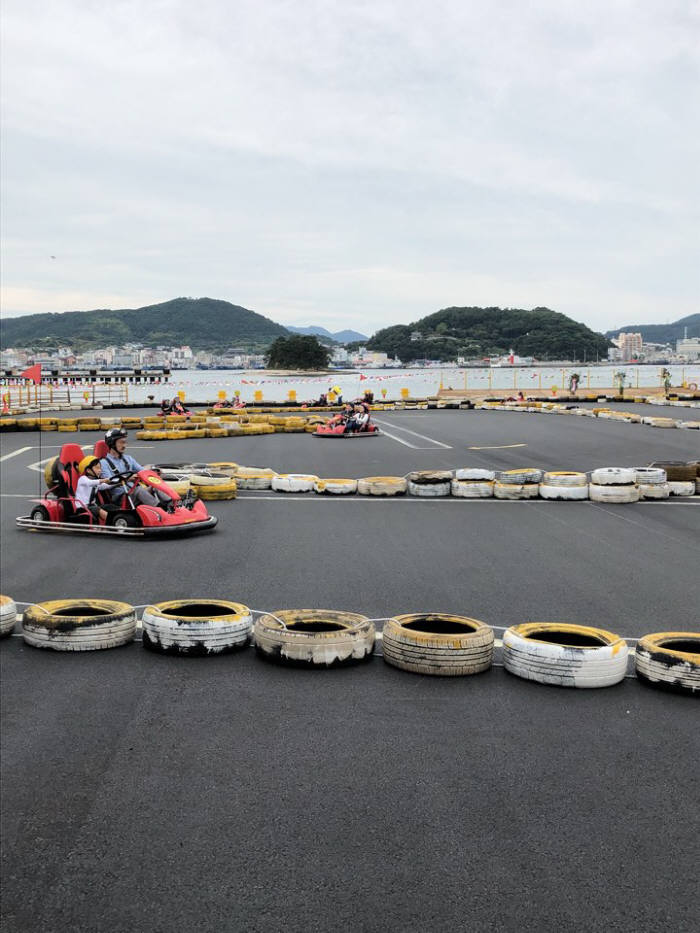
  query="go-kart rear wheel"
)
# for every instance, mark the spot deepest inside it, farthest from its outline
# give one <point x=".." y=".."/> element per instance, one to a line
<point x="122" y="520"/>
<point x="39" y="514"/>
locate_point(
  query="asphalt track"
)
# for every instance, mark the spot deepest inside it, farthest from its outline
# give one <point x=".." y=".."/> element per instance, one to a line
<point x="143" y="792"/>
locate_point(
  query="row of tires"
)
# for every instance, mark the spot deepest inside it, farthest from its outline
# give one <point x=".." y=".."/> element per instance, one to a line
<point x="425" y="643"/>
<point x="605" y="414"/>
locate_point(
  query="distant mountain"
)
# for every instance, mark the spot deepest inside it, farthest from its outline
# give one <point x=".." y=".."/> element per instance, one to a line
<point x="662" y="333"/>
<point x="474" y="332"/>
<point x="201" y="323"/>
<point x="340" y="336"/>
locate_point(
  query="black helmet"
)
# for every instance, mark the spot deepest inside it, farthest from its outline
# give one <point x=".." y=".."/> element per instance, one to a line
<point x="113" y="435"/>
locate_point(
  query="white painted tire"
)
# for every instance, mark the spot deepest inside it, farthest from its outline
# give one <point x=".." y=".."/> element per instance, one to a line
<point x="661" y="422"/>
<point x="335" y="487"/>
<point x="254" y="477"/>
<point x="434" y="643"/>
<point x="564" y="654"/>
<point x="314" y="637"/>
<point x="613" y="494"/>
<point x="472" y="489"/>
<point x="564" y="478"/>
<point x="382" y="486"/>
<point x="429" y="491"/>
<point x="211" y="478"/>
<point x="650" y="475"/>
<point x="178" y="482"/>
<point x="613" y="476"/>
<point x="670" y="660"/>
<point x="79" y="624"/>
<point x="519" y="477"/>
<point x="294" y="482"/>
<point x="682" y="489"/>
<point x="569" y="493"/>
<point x="472" y="473"/>
<point x="654" y="490"/>
<point x="430" y="477"/>
<point x="516" y="491"/>
<point x="8" y="615"/>
<point x="690" y="425"/>
<point x="196" y="627"/>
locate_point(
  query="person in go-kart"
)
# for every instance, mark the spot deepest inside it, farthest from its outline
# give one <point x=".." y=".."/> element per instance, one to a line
<point x="177" y="408"/>
<point x="118" y="463"/>
<point x="89" y="484"/>
<point x="344" y="416"/>
<point x="165" y="407"/>
<point x="359" y="420"/>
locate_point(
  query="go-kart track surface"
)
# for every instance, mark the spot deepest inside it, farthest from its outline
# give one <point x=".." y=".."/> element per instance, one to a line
<point x="168" y="794"/>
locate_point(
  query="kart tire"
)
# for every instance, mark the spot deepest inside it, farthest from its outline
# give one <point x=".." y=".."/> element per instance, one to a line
<point x="565" y="478"/>
<point x="39" y="514"/>
<point x="382" y="486"/>
<point x="682" y="489"/>
<point x="219" y="492"/>
<point x="210" y="478"/>
<point x="430" y="477"/>
<point x="568" y="493"/>
<point x="677" y="471"/>
<point x="123" y="520"/>
<point x="565" y="655"/>
<point x="79" y="624"/>
<point x="613" y="494"/>
<point x="516" y="490"/>
<point x="225" y="466"/>
<point x="470" y="473"/>
<point x="670" y="660"/>
<point x="335" y="487"/>
<point x="294" y="482"/>
<point x="650" y="475"/>
<point x="689" y="425"/>
<point x="196" y="627"/>
<point x="613" y="476"/>
<point x="254" y="477"/>
<point x="472" y="489"/>
<point x="660" y="422"/>
<point x="8" y="615"/>
<point x="438" y="644"/>
<point x="314" y="637"/>
<point x="177" y="482"/>
<point x="519" y="477"/>
<point x="654" y="490"/>
<point x="429" y="490"/>
<point x="67" y="427"/>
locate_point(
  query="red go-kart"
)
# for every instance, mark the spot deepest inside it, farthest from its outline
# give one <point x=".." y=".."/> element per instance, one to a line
<point x="59" y="510"/>
<point x="338" y="430"/>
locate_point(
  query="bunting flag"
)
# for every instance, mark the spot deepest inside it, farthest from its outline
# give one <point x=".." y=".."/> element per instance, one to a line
<point x="33" y="373"/>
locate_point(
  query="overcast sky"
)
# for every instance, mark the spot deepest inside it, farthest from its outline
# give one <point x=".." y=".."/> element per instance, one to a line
<point x="353" y="163"/>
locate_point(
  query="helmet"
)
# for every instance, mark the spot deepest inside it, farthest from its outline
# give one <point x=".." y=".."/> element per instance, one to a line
<point x="113" y="435"/>
<point x="86" y="463"/>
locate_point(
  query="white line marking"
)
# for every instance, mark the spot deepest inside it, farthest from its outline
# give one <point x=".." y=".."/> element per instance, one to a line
<point x="398" y="440"/>
<point x="423" y="437"/>
<point x="501" y="447"/>
<point x="15" y="453"/>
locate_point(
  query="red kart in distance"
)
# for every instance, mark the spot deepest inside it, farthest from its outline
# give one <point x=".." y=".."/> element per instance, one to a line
<point x="338" y="430"/>
<point x="59" y="511"/>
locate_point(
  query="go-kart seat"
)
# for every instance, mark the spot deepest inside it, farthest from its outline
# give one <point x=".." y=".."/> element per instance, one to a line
<point x="101" y="450"/>
<point x="67" y="475"/>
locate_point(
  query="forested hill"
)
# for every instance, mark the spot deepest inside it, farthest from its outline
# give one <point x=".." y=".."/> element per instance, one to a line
<point x="202" y="323"/>
<point x="474" y="332"/>
<point x="663" y="333"/>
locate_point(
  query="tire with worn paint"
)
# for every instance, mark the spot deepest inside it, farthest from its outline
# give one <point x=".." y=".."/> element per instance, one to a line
<point x="197" y="627"/>
<point x="473" y="473"/>
<point x="654" y="490"/>
<point x="382" y="486"/>
<point x="335" y="487"/>
<point x="660" y="422"/>
<point x="439" y="644"/>
<point x="564" y="478"/>
<point x="177" y="482"/>
<point x="670" y="660"/>
<point x="314" y="637"/>
<point x="79" y="624"/>
<point x="294" y="482"/>
<point x="429" y="490"/>
<point x="650" y="475"/>
<point x="218" y="492"/>
<point x="224" y="466"/>
<point x="677" y="471"/>
<point x="519" y="477"/>
<point x="49" y="472"/>
<point x="564" y="654"/>
<point x="430" y="477"/>
<point x="613" y="476"/>
<point x="564" y="493"/>
<point x="254" y="477"/>
<point x="472" y="489"/>
<point x="516" y="490"/>
<point x="682" y="489"/>
<point x="8" y="615"/>
<point x="210" y="478"/>
<point x="613" y="494"/>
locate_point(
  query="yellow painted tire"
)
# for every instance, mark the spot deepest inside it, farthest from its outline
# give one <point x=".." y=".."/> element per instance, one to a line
<point x="335" y="487"/>
<point x="565" y="655"/>
<point x="224" y="466"/>
<point x="8" y="615"/>
<point x="48" y="472"/>
<point x="382" y="486"/>
<point x="209" y="478"/>
<point x="196" y="627"/>
<point x="564" y="478"/>
<point x="79" y="624"/>
<point x="254" y="477"/>
<point x="217" y="432"/>
<point x="89" y="426"/>
<point x="670" y="660"/>
<point x="314" y="637"/>
<point x="68" y="427"/>
<point x="435" y="643"/>
<point x="221" y="491"/>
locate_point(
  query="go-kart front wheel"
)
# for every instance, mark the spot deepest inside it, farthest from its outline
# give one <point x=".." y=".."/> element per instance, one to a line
<point x="39" y="514"/>
<point x="123" y="520"/>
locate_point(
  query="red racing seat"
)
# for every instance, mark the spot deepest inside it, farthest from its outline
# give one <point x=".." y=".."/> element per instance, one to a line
<point x="101" y="450"/>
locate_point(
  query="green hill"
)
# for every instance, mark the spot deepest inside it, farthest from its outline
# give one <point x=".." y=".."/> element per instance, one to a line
<point x="663" y="333"/>
<point x="202" y="323"/>
<point x="480" y="332"/>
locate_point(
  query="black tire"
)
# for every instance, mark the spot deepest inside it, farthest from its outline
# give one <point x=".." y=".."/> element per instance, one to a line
<point x="39" y="514"/>
<point x="122" y="519"/>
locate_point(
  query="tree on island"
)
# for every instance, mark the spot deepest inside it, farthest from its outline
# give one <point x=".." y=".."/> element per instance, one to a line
<point x="300" y="351"/>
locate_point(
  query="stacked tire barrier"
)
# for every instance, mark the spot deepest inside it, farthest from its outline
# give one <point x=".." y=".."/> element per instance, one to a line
<point x="517" y="484"/>
<point x="613" y="485"/>
<point x="429" y="483"/>
<point x="8" y="615"/>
